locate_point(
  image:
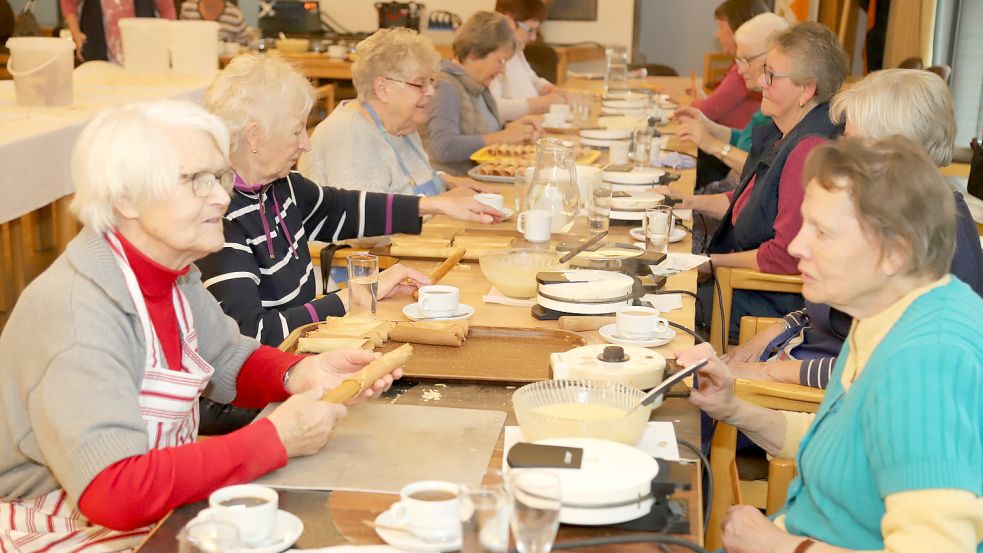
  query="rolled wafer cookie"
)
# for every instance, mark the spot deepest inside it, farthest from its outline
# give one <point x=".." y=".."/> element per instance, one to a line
<point x="443" y="333"/>
<point x="360" y="380"/>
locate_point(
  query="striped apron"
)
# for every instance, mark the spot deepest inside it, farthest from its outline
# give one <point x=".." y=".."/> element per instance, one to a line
<point x="169" y="407"/>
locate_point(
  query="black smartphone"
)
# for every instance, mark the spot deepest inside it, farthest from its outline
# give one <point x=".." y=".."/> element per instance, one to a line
<point x="524" y="455"/>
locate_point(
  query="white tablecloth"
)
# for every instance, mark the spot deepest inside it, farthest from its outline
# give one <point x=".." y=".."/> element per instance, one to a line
<point x="36" y="143"/>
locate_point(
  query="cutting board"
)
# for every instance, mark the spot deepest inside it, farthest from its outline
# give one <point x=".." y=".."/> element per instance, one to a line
<point x="381" y="448"/>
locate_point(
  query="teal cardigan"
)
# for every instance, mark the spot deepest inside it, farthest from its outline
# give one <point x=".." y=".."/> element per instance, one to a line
<point x="913" y="420"/>
<point x="742" y="138"/>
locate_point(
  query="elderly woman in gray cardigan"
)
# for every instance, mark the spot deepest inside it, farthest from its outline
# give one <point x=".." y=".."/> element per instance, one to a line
<point x="394" y="73"/>
<point x="463" y="115"/>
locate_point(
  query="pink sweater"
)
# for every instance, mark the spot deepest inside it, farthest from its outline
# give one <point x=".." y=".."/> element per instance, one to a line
<point x="729" y="104"/>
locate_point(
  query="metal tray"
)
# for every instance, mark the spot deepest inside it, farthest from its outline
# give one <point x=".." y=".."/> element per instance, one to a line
<point x="476" y="175"/>
<point x="491" y="354"/>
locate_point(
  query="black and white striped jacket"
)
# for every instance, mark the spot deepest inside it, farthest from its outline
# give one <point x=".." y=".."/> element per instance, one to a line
<point x="271" y="295"/>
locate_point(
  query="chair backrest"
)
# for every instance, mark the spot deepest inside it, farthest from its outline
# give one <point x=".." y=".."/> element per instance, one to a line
<point x="911" y="63"/>
<point x="975" y="184"/>
<point x="943" y="71"/>
<point x="715" y="66"/>
<point x="543" y="59"/>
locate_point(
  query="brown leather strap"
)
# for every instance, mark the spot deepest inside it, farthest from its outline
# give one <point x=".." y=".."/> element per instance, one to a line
<point x="804" y="545"/>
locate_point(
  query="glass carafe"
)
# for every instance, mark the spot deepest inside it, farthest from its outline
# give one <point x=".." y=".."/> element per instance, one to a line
<point x="553" y="184"/>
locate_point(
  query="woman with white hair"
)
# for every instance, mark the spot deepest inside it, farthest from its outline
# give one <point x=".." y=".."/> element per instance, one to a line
<point x="464" y="115"/>
<point x="263" y="276"/>
<point x="803" y="347"/>
<point x="891" y="460"/>
<point x="99" y="418"/>
<point x="394" y="75"/>
<point x="730" y="145"/>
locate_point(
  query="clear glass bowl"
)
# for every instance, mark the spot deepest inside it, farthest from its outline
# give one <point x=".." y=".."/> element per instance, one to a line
<point x="514" y="271"/>
<point x="580" y="408"/>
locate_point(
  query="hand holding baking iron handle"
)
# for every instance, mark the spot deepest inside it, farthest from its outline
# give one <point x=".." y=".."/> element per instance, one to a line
<point x="456" y="255"/>
<point x="671" y="381"/>
<point x="363" y="379"/>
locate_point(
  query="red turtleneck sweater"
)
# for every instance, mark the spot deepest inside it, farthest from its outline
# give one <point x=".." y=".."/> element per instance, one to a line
<point x="140" y="490"/>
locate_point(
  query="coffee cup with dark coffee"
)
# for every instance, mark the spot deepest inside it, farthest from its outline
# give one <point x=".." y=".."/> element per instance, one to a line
<point x="429" y="508"/>
<point x="249" y="507"/>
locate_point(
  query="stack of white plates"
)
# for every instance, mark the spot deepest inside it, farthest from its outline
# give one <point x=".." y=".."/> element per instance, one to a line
<point x="647" y="176"/>
<point x="603" y="138"/>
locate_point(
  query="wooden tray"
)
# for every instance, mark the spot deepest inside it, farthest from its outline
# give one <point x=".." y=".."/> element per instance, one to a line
<point x="483" y="156"/>
<point x="491" y="354"/>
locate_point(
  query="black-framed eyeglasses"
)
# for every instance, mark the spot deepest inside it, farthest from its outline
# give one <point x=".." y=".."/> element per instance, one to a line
<point x="526" y="27"/>
<point x="427" y="84"/>
<point x="203" y="182"/>
<point x="771" y="75"/>
<point x="746" y="60"/>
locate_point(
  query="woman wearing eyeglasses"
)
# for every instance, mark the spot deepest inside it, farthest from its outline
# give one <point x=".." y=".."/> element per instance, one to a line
<point x="106" y="354"/>
<point x="519" y="90"/>
<point x="804" y="67"/>
<point x="393" y="74"/>
<point x="464" y="116"/>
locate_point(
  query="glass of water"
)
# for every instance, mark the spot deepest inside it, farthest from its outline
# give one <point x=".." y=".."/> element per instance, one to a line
<point x="535" y="510"/>
<point x="208" y="536"/>
<point x="642" y="141"/>
<point x="363" y="285"/>
<point x="484" y="518"/>
<point x="599" y="207"/>
<point x="616" y="68"/>
<point x="582" y="102"/>
<point x="658" y="227"/>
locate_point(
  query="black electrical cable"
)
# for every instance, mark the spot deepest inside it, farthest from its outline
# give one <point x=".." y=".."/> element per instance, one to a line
<point x="720" y="307"/>
<point x="686" y="292"/>
<point x="706" y="469"/>
<point x="687" y="331"/>
<point x="630" y="538"/>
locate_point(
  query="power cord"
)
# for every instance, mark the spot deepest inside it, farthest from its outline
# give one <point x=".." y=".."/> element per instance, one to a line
<point x="686" y="292"/>
<point x="687" y="331"/>
<point x="720" y="307"/>
<point x="709" y="475"/>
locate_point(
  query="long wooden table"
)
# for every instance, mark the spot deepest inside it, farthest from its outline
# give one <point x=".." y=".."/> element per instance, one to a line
<point x="335" y="518"/>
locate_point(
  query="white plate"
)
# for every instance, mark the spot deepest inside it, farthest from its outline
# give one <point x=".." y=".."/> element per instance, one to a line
<point x="621" y="122"/>
<point x="597" y="143"/>
<point x="639" y="234"/>
<point x="632" y="103"/>
<point x="635" y="176"/>
<point x="412" y="312"/>
<point x="288" y="529"/>
<point x="606" y="134"/>
<point x="626" y="112"/>
<point x="408" y="542"/>
<point x="610" y="334"/>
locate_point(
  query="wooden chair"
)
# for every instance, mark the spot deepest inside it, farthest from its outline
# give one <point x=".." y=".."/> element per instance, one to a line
<point x="943" y="71"/>
<point x="715" y="66"/>
<point x="729" y="489"/>
<point x="730" y="279"/>
<point x="324" y="103"/>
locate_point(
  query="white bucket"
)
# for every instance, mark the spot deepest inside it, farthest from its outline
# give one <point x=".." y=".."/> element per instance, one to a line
<point x="145" y="45"/>
<point x="194" y="48"/>
<point x="42" y="70"/>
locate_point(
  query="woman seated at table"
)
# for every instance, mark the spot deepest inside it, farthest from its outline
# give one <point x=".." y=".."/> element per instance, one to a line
<point x="804" y="67"/>
<point x="731" y="103"/>
<point x="263" y="276"/>
<point x="464" y="116"/>
<point x="803" y="347"/>
<point x="232" y="24"/>
<point x="519" y="90"/>
<point x="107" y="352"/>
<point x="727" y="145"/>
<point x="393" y="74"/>
<point x="891" y="462"/>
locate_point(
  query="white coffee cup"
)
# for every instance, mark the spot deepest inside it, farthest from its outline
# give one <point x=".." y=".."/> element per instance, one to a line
<point x="640" y="323"/>
<point x="249" y="507"/>
<point x="554" y="120"/>
<point x="535" y="225"/>
<point x="337" y="51"/>
<point x="618" y="152"/>
<point x="563" y="110"/>
<point x="438" y="300"/>
<point x="428" y="508"/>
<point x="493" y="200"/>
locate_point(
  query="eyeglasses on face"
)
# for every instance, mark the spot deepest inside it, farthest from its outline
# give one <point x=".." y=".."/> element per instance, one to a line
<point x="427" y="84"/>
<point x="203" y="182"/>
<point x="746" y="60"/>
<point x="526" y="27"/>
<point x="770" y="75"/>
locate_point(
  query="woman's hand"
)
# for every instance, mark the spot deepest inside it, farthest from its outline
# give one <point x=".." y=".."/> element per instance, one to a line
<point x="685" y="200"/>
<point x="751" y="351"/>
<point x="465" y="186"/>
<point x="689" y="114"/>
<point x="715" y="395"/>
<point x="79" y="38"/>
<point x="304" y="422"/>
<point x="697" y="133"/>
<point x="746" y="530"/>
<point x="462" y="208"/>
<point x="400" y="280"/>
<point x="327" y="370"/>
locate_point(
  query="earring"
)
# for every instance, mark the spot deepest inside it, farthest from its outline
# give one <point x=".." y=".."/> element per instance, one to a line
<point x="801" y="105"/>
<point x="255" y="151"/>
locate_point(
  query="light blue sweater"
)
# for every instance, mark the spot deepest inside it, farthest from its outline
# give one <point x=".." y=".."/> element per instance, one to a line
<point x="913" y="420"/>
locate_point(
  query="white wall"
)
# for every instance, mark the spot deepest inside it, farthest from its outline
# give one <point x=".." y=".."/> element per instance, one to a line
<point x="46" y="11"/>
<point x="677" y="33"/>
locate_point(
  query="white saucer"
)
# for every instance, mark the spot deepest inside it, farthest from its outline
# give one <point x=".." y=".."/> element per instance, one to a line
<point x="412" y="312"/>
<point x="598" y="143"/>
<point x="610" y="334"/>
<point x="647" y="175"/>
<point x="639" y="234"/>
<point x="288" y="529"/>
<point x="606" y="134"/>
<point x="409" y="542"/>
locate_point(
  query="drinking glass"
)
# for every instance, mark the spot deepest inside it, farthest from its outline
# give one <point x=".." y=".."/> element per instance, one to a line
<point x="523" y="173"/>
<point x="363" y="285"/>
<point x="582" y="102"/>
<point x="208" y="536"/>
<point x="599" y="207"/>
<point x="616" y="68"/>
<point x="658" y="227"/>
<point x="484" y="518"/>
<point x="535" y="510"/>
<point x="642" y="141"/>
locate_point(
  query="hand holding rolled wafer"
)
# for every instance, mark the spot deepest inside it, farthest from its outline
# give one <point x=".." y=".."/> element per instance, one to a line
<point x="363" y="379"/>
